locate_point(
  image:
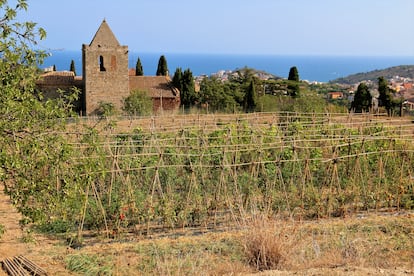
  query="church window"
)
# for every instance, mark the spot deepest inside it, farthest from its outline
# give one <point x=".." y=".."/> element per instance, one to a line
<point x="101" y="64"/>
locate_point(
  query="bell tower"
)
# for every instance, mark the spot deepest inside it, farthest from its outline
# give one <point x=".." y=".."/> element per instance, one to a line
<point x="105" y="71"/>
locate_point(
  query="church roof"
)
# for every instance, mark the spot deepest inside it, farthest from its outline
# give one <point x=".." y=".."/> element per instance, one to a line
<point x="104" y="36"/>
<point x="157" y="86"/>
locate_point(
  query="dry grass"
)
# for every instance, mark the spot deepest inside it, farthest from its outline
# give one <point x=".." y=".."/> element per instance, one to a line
<point x="359" y="245"/>
<point x="374" y="242"/>
<point x="266" y="244"/>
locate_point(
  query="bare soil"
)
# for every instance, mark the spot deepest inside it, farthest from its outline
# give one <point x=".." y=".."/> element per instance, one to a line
<point x="16" y="241"/>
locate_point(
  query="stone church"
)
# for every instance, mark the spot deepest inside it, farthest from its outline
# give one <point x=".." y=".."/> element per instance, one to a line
<point x="106" y="78"/>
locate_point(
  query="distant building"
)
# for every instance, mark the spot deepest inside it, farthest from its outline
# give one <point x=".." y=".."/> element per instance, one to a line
<point x="335" y="95"/>
<point x="107" y="79"/>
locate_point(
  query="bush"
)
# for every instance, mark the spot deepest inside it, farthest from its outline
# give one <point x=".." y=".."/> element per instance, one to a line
<point x="138" y="103"/>
<point x="106" y="109"/>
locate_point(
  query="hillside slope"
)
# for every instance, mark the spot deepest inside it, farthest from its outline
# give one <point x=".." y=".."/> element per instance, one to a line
<point x="406" y="71"/>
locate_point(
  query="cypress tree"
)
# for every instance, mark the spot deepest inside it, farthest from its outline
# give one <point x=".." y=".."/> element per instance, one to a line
<point x="162" y="69"/>
<point x="250" y="100"/>
<point x="72" y="67"/>
<point x="54" y="68"/>
<point x="385" y="97"/>
<point x="187" y="96"/>
<point x="138" y="68"/>
<point x="362" y="99"/>
<point x="293" y="85"/>
<point x="293" y="74"/>
<point x="177" y="79"/>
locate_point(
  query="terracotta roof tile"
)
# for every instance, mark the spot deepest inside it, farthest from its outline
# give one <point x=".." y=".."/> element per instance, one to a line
<point x="157" y="86"/>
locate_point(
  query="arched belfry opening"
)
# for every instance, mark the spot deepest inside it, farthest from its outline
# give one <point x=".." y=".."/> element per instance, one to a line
<point x="101" y="64"/>
<point x="104" y="54"/>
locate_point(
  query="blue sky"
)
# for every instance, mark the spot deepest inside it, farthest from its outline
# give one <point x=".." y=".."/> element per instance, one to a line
<point x="280" y="27"/>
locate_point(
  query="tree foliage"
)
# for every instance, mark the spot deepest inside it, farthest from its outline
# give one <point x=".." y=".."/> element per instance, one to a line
<point x="188" y="95"/>
<point x="293" y="86"/>
<point x="184" y="81"/>
<point x="72" y="67"/>
<point x="138" y="103"/>
<point x="177" y="78"/>
<point x="162" y="69"/>
<point x="250" y="98"/>
<point x="293" y="74"/>
<point x="29" y="143"/>
<point x="139" y="71"/>
<point x="217" y="96"/>
<point x="362" y="99"/>
<point x="385" y="97"/>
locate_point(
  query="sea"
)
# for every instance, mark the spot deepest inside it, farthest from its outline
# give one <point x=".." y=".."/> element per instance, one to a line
<point x="312" y="68"/>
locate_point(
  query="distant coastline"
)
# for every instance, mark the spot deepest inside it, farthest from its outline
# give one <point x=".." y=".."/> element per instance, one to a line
<point x="312" y="68"/>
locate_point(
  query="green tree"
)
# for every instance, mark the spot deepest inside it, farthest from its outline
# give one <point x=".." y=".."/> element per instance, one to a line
<point x="72" y="67"/>
<point x="162" y="69"/>
<point x="362" y="99"/>
<point x="177" y="78"/>
<point x="215" y="95"/>
<point x="293" y="74"/>
<point x="293" y="84"/>
<point x="138" y="68"/>
<point x="138" y="103"/>
<point x="250" y="98"/>
<point x="31" y="150"/>
<point x="184" y="81"/>
<point x="188" y="96"/>
<point x="385" y="97"/>
<point x="54" y="68"/>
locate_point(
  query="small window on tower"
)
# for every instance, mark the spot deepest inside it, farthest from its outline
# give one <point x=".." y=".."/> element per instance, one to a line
<point x="101" y="64"/>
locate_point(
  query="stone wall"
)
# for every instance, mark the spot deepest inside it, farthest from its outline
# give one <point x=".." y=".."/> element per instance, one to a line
<point x="105" y="76"/>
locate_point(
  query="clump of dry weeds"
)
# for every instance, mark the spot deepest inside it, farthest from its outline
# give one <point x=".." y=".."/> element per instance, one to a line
<point x="267" y="244"/>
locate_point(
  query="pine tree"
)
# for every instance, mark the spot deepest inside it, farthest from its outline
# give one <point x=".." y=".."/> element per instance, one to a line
<point x="138" y="68"/>
<point x="162" y="69"/>
<point x="72" y="67"/>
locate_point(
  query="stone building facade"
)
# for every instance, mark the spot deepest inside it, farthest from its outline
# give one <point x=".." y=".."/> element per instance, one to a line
<point x="105" y="70"/>
<point x="106" y="78"/>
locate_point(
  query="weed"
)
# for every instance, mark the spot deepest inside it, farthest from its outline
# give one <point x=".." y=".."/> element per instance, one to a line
<point x="89" y="264"/>
<point x="266" y="246"/>
<point x="28" y="237"/>
<point x="2" y="230"/>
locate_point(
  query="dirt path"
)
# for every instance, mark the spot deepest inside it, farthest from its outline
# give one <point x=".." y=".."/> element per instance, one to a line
<point x="12" y="242"/>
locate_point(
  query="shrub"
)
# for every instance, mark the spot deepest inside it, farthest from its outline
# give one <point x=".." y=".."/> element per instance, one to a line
<point x="138" y="103"/>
